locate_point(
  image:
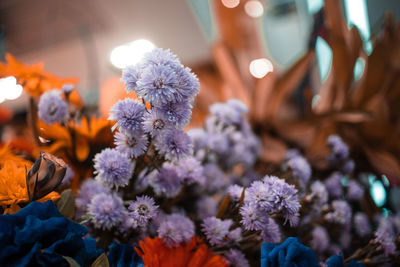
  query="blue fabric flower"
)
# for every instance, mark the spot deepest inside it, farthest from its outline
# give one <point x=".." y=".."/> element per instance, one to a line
<point x="38" y="235"/>
<point x="123" y="255"/>
<point x="289" y="253"/>
<point x="337" y="261"/>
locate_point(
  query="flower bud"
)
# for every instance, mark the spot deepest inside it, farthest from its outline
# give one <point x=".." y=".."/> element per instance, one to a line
<point x="45" y="175"/>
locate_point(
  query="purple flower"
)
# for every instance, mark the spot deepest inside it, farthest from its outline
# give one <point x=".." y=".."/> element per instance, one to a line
<point x="361" y="224"/>
<point x="225" y="113"/>
<point x="252" y="217"/>
<point x="175" y="229"/>
<point x="236" y="258"/>
<point x="133" y="144"/>
<point x="215" y="177"/>
<point x="157" y="84"/>
<point x="174" y="145"/>
<point x="235" y="192"/>
<point x="217" y="142"/>
<point x="238" y="105"/>
<point x="67" y="88"/>
<point x="129" y="114"/>
<point x="107" y="211"/>
<point x="348" y="166"/>
<point x="199" y="138"/>
<point x="52" y="108"/>
<point x="143" y="210"/>
<point x="89" y="188"/>
<point x="355" y="191"/>
<point x="112" y="168"/>
<point x="188" y="84"/>
<point x="206" y="207"/>
<point x="271" y="232"/>
<point x="177" y="114"/>
<point x="155" y="122"/>
<point x="301" y="169"/>
<point x="334" y="185"/>
<point x="69" y="175"/>
<point x="190" y="171"/>
<point x="384" y="236"/>
<point x="217" y="231"/>
<point x="167" y="181"/>
<point x="339" y="150"/>
<point x="131" y="75"/>
<point x="341" y="213"/>
<point x="292" y="153"/>
<point x="318" y="194"/>
<point x="320" y="239"/>
<point x="159" y="56"/>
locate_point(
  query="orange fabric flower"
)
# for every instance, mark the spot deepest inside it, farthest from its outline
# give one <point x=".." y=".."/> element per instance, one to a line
<point x="194" y="254"/>
<point x="33" y="78"/>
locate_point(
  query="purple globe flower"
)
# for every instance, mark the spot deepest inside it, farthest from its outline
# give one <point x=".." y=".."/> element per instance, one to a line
<point x="159" y="56"/>
<point x="384" y="237"/>
<point x="143" y="210"/>
<point x="174" y="145"/>
<point x="177" y="114"/>
<point x="188" y="84"/>
<point x="89" y="188"/>
<point x="319" y="194"/>
<point x="238" y="105"/>
<point x="176" y="229"/>
<point x="361" y="224"/>
<point x="339" y="150"/>
<point x="320" y="239"/>
<point x="252" y="217"/>
<point x="156" y="122"/>
<point x="190" y="171"/>
<point x="236" y="258"/>
<point x="129" y="114"/>
<point x="131" y="75"/>
<point x="107" y="211"/>
<point x="235" y="192"/>
<point x="157" y="84"/>
<point x="217" y="231"/>
<point x="67" y="88"/>
<point x="214" y="177"/>
<point x="341" y="213"/>
<point x="334" y="185"/>
<point x="199" y="138"/>
<point x="206" y="207"/>
<point x="225" y="113"/>
<point x="133" y="144"/>
<point x="52" y="108"/>
<point x="113" y="168"/>
<point x="166" y="182"/>
<point x="355" y="191"/>
<point x="270" y="232"/>
<point x="301" y="169"/>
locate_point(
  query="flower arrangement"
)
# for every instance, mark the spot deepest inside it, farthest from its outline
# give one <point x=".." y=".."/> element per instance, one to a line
<point x="162" y="196"/>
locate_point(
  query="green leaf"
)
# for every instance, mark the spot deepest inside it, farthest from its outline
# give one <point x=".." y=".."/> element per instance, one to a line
<point x="71" y="261"/>
<point x="101" y="261"/>
<point x="66" y="204"/>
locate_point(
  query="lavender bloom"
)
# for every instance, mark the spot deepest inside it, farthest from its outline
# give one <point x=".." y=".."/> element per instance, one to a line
<point x="238" y="105"/>
<point x="206" y="207"/>
<point x="112" y="168"/>
<point x="339" y="150"/>
<point x="52" y="108"/>
<point x="341" y="213"/>
<point x="301" y="169"/>
<point x="355" y="191"/>
<point x="384" y="236"/>
<point x="87" y="191"/>
<point x="131" y="75"/>
<point x="361" y="224"/>
<point x="159" y="56"/>
<point x="190" y="171"/>
<point x="174" y="145"/>
<point x="157" y="84"/>
<point x="348" y="166"/>
<point x="320" y="239"/>
<point x="252" y="217"/>
<point x="271" y="232"/>
<point x="318" y="194"/>
<point x="167" y="181"/>
<point x="334" y="185"/>
<point x="199" y="138"/>
<point x="236" y="258"/>
<point x="215" y="177"/>
<point x="225" y="113"/>
<point x="217" y="231"/>
<point x="143" y="210"/>
<point x="133" y="144"/>
<point x="67" y="88"/>
<point x="235" y="192"/>
<point x="217" y="142"/>
<point x="175" y="229"/>
<point x="107" y="211"/>
<point x="177" y="114"/>
<point x="155" y="122"/>
<point x="129" y="114"/>
<point x="188" y="84"/>
<point x="292" y="153"/>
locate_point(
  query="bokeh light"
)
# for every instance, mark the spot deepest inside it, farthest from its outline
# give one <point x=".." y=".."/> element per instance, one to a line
<point x="9" y="89"/>
<point x="230" y="3"/>
<point x="129" y="54"/>
<point x="261" y="67"/>
<point x="254" y="8"/>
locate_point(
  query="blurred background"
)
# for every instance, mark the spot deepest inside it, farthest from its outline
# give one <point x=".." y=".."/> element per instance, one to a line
<point x="76" y="38"/>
